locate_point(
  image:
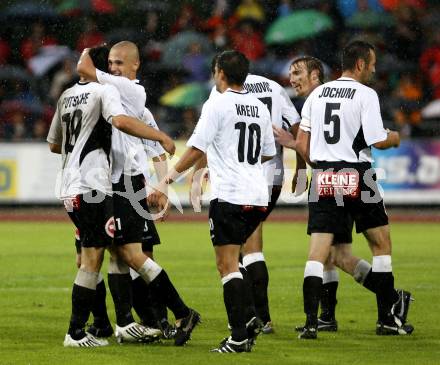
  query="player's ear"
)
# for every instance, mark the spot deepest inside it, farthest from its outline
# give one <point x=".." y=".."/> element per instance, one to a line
<point x="360" y="64"/>
<point x="314" y="75"/>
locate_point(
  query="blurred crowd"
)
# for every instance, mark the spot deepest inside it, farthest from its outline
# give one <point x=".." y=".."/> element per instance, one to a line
<point x="40" y="43"/>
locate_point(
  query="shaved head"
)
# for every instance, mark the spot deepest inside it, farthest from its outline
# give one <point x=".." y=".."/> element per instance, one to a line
<point x="130" y="49"/>
<point x="124" y="60"/>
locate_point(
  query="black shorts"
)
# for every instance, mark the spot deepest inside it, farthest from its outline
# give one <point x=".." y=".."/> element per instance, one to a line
<point x="93" y="218"/>
<point x="325" y="216"/>
<point x="150" y="236"/>
<point x="130" y="214"/>
<point x="274" y="193"/>
<point x="232" y="223"/>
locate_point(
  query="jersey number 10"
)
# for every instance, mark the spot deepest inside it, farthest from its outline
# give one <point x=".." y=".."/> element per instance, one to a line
<point x="254" y="134"/>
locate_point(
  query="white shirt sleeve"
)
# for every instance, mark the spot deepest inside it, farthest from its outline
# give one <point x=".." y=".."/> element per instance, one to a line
<point x="55" y="134"/>
<point x="206" y="128"/>
<point x="371" y="119"/>
<point x="111" y="103"/>
<point x="306" y="114"/>
<point x="288" y="111"/>
<point x="268" y="148"/>
<point x="153" y="148"/>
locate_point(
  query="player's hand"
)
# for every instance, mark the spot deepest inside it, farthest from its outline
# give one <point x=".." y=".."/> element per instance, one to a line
<point x="163" y="207"/>
<point x="299" y="182"/>
<point x="199" y="178"/>
<point x="168" y="144"/>
<point x="283" y="137"/>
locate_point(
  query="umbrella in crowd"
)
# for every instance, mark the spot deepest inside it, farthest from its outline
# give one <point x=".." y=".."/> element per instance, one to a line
<point x="77" y="7"/>
<point x="301" y="24"/>
<point x="370" y="19"/>
<point x="29" y="9"/>
<point x="187" y="95"/>
<point x="48" y="57"/>
<point x="177" y="47"/>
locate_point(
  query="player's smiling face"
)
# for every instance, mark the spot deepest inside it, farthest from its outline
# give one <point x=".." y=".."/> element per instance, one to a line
<point x="118" y="63"/>
<point x="300" y="79"/>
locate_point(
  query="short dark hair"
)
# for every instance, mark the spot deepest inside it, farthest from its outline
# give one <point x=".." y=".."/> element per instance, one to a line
<point x="235" y="66"/>
<point x="214" y="62"/>
<point x="353" y="51"/>
<point x="312" y="64"/>
<point x="99" y="56"/>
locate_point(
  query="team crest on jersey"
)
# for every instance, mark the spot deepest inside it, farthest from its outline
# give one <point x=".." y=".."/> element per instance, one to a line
<point x="338" y="183"/>
<point x="110" y="227"/>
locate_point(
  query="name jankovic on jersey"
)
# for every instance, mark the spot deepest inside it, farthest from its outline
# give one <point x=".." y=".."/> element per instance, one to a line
<point x="72" y="101"/>
<point x="258" y="87"/>
<point x="336" y="92"/>
<point x="247" y="110"/>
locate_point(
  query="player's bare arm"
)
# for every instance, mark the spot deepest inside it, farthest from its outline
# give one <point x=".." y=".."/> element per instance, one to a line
<point x="136" y="128"/>
<point x="393" y="140"/>
<point x="303" y="145"/>
<point x="85" y="66"/>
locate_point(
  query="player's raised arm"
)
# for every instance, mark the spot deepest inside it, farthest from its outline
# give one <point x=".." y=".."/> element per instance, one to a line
<point x="85" y="66"/>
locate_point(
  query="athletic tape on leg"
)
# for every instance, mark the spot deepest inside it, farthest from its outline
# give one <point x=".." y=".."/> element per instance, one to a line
<point x="117" y="266"/>
<point x="330" y="276"/>
<point x="86" y="279"/>
<point x="361" y="271"/>
<point x="149" y="270"/>
<point x="314" y="268"/>
<point x="232" y="275"/>
<point x="252" y="257"/>
<point x="382" y="263"/>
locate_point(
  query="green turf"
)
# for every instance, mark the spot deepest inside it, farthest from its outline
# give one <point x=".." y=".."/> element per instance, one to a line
<point x="37" y="268"/>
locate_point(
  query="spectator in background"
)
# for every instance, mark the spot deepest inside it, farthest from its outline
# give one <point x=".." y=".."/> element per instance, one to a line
<point x="406" y="99"/>
<point x="430" y="65"/>
<point x="153" y="35"/>
<point x="187" y="20"/>
<point x="38" y="38"/>
<point x="247" y="40"/>
<point x="5" y="51"/>
<point x="285" y="8"/>
<point x="405" y="39"/>
<point x="62" y="78"/>
<point x="91" y="37"/>
<point x="195" y="63"/>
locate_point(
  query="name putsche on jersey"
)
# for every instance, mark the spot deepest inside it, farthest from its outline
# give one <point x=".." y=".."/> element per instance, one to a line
<point x="73" y="101"/>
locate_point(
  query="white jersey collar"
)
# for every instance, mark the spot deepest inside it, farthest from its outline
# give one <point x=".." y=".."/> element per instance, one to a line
<point x="244" y="91"/>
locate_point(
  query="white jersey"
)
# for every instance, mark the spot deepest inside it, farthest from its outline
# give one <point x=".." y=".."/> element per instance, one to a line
<point x="82" y="126"/>
<point x="283" y="115"/>
<point x="127" y="156"/>
<point x="154" y="148"/>
<point x="343" y="117"/>
<point x="234" y="130"/>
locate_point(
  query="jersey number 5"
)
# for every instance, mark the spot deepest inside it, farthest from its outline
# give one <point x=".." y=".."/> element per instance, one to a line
<point x="254" y="134"/>
<point x="73" y="127"/>
<point x="330" y="117"/>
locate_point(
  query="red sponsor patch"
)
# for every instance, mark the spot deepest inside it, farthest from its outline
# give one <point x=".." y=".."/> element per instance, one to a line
<point x="72" y="204"/>
<point x="110" y="227"/>
<point x="338" y="183"/>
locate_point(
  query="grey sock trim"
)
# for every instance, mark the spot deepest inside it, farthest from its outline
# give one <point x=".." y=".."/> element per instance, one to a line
<point x="86" y="279"/>
<point x="118" y="267"/>
<point x="361" y="270"/>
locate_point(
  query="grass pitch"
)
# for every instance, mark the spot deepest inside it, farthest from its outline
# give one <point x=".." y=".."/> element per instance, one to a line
<point x="37" y="268"/>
